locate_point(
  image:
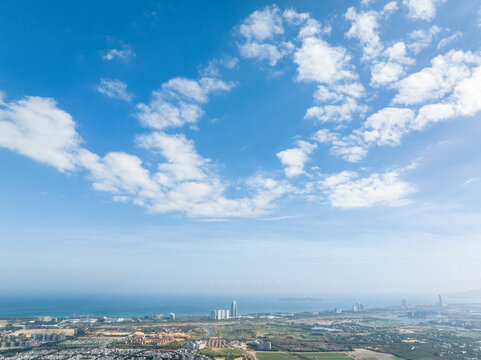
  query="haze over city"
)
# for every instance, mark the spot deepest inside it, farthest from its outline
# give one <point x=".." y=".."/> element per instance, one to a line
<point x="287" y="148"/>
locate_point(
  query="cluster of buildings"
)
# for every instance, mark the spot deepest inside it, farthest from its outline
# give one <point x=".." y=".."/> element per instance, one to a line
<point x="22" y="340"/>
<point x="405" y="305"/>
<point x="159" y="316"/>
<point x="225" y="314"/>
<point x="45" y="319"/>
<point x="195" y="345"/>
<point x="143" y="340"/>
<point x="260" y="345"/>
<point x="357" y="307"/>
<point x="217" y="343"/>
<point x="219" y="314"/>
<point x="105" y="353"/>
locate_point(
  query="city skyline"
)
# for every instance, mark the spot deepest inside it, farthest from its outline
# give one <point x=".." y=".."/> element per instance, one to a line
<point x="254" y="148"/>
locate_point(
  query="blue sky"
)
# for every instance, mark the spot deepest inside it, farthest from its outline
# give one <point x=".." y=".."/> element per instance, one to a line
<point x="293" y="147"/>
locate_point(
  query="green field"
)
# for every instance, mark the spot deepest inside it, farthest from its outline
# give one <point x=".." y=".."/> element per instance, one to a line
<point x="261" y="355"/>
<point x="301" y="356"/>
<point x="248" y="332"/>
<point x="322" y="355"/>
<point x="222" y="353"/>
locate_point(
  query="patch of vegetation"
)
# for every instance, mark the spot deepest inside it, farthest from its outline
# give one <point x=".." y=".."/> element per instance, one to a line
<point x="222" y="353"/>
<point x="261" y="355"/>
<point x="322" y="356"/>
<point x="301" y="356"/>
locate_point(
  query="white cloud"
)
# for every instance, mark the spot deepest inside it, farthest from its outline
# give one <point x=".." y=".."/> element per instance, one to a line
<point x="433" y="113"/>
<point x="422" y="9"/>
<point x="422" y="38"/>
<point x="295" y="18"/>
<point x="339" y="92"/>
<point x="446" y="41"/>
<point x="398" y="53"/>
<point x="259" y="30"/>
<point x="197" y="91"/>
<point x="269" y="52"/>
<point x="37" y="128"/>
<point x="313" y="28"/>
<point x="387" y="126"/>
<point x="470" y="181"/>
<point x="184" y="182"/>
<point x="351" y="148"/>
<point x="438" y="80"/>
<point x="346" y="190"/>
<point x="262" y="24"/>
<point x="457" y="85"/>
<point x="367" y="2"/>
<point x="123" y="55"/>
<point x="390" y="70"/>
<point x="294" y="159"/>
<point x="388" y="65"/>
<point x="365" y="28"/>
<point x="308" y="26"/>
<point x="320" y="62"/>
<point x="160" y="114"/>
<point x="353" y="89"/>
<point x="324" y="136"/>
<point x="215" y="65"/>
<point x="183" y="162"/>
<point x="467" y="93"/>
<point x="121" y="174"/>
<point x="385" y="73"/>
<point x="176" y="103"/>
<point x="114" y="89"/>
<point x="205" y="198"/>
<point x="325" y="94"/>
<point x="336" y="113"/>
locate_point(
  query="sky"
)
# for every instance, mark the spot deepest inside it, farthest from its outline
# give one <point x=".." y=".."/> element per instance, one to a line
<point x="302" y="148"/>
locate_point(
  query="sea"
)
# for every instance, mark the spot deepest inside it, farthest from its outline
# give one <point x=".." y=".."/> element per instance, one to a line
<point x="114" y="305"/>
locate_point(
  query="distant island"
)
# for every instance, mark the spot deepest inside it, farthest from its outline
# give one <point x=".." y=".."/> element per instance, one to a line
<point x="305" y="299"/>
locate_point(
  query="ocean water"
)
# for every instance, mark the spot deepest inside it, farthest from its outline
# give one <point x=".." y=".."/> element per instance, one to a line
<point x="130" y="305"/>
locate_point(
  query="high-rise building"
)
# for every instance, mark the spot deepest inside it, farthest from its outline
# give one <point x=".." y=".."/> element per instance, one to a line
<point x="357" y="307"/>
<point x="172" y="316"/>
<point x="219" y="314"/>
<point x="404" y="304"/>
<point x="233" y="309"/>
<point x="440" y="303"/>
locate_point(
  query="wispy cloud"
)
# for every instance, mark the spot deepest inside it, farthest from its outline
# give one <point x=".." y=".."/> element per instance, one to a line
<point x="347" y="190"/>
<point x="470" y="181"/>
<point x="446" y="41"/>
<point x="120" y="54"/>
<point x="178" y="101"/>
<point x="422" y="9"/>
<point x="114" y="89"/>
